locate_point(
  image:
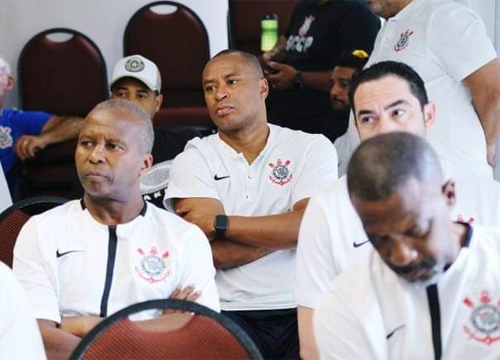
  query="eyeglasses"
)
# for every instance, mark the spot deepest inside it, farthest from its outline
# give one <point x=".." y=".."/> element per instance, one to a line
<point x="361" y="54"/>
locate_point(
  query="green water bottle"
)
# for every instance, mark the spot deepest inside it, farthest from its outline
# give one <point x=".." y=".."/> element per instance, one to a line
<point x="268" y="32"/>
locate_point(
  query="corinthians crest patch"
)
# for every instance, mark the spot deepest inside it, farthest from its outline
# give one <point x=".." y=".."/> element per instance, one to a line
<point x="5" y="137"/>
<point x="152" y="267"/>
<point x="403" y="41"/>
<point x="134" y="65"/>
<point x="484" y="321"/>
<point x="280" y="173"/>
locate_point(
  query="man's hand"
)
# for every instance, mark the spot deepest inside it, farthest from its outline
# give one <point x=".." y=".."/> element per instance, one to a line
<point x="27" y="146"/>
<point x="79" y="325"/>
<point x="189" y="293"/>
<point x="204" y="220"/>
<point x="282" y="77"/>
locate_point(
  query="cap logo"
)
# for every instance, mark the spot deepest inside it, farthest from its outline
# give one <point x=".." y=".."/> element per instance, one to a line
<point x="134" y="65"/>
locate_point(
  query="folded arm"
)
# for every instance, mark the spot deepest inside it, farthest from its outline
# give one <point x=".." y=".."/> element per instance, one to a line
<point x="484" y="85"/>
<point x="57" y="129"/>
<point x="248" y="237"/>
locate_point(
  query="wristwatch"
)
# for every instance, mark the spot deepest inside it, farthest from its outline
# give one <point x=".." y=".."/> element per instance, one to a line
<point x="298" y="83"/>
<point x="221" y="224"/>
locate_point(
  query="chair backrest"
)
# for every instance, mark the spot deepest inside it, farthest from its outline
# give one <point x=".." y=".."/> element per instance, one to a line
<point x="244" y="21"/>
<point x="62" y="71"/>
<point x="195" y="332"/>
<point x="177" y="42"/>
<point x="14" y="217"/>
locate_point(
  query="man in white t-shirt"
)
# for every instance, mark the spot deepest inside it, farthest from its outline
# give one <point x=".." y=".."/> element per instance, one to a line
<point x="388" y="96"/>
<point x="19" y="335"/>
<point x="431" y="287"/>
<point x="85" y="260"/>
<point x="247" y="187"/>
<point x="5" y="199"/>
<point x="447" y="44"/>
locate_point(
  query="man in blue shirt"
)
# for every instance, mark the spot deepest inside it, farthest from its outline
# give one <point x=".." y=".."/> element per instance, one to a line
<point x="23" y="133"/>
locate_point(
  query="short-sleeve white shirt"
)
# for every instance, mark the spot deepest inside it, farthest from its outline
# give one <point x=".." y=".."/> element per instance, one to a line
<point x="72" y="265"/>
<point x="292" y="166"/>
<point x="444" y="42"/>
<point x="332" y="239"/>
<point x="5" y="199"/>
<point x="372" y="313"/>
<point x="19" y="333"/>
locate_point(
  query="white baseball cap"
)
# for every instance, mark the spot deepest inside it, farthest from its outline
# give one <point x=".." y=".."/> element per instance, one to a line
<point x="140" y="68"/>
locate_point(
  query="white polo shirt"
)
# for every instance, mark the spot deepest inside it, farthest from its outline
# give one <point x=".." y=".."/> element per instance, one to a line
<point x="372" y="313"/>
<point x="292" y="166"/>
<point x="332" y="238"/>
<point x="444" y="42"/>
<point x="72" y="265"/>
<point x="19" y="333"/>
<point x="5" y="200"/>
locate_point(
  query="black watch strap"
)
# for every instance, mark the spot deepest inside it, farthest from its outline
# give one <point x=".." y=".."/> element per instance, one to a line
<point x="221" y="224"/>
<point x="298" y="82"/>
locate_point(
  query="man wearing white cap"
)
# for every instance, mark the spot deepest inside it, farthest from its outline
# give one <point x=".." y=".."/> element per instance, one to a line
<point x="138" y="79"/>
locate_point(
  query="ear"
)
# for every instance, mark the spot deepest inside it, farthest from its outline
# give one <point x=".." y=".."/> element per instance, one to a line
<point x="448" y="191"/>
<point x="429" y="114"/>
<point x="264" y="88"/>
<point x="158" y="101"/>
<point x="10" y="83"/>
<point x="147" y="162"/>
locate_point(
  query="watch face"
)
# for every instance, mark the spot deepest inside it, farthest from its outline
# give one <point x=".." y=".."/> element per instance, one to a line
<point x="221" y="222"/>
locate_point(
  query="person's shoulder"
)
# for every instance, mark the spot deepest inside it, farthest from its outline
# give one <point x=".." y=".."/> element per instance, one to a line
<point x="169" y="220"/>
<point x="329" y="195"/>
<point x="298" y="136"/>
<point x="486" y="239"/>
<point x="436" y="8"/>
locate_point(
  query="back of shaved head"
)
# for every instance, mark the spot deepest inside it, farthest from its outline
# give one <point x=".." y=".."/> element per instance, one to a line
<point x="384" y="163"/>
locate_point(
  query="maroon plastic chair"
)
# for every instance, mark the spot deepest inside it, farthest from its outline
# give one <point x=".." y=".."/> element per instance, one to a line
<point x="244" y="21"/>
<point x="178" y="43"/>
<point x="190" y="332"/>
<point x="14" y="217"/>
<point x="62" y="71"/>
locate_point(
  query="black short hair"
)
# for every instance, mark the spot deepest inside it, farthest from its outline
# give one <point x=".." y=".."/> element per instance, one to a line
<point x="251" y="59"/>
<point x="390" y="68"/>
<point x="382" y="164"/>
<point x="353" y="59"/>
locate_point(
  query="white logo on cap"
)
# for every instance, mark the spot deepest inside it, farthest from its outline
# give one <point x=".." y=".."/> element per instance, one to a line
<point x="134" y="65"/>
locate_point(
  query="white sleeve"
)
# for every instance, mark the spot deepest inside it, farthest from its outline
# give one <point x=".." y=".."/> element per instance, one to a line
<point x="190" y="176"/>
<point x="318" y="171"/>
<point x="33" y="272"/>
<point x="19" y="333"/>
<point x="462" y="35"/>
<point x="345" y="332"/>
<point x="5" y="200"/>
<point x="315" y="267"/>
<point x="198" y="267"/>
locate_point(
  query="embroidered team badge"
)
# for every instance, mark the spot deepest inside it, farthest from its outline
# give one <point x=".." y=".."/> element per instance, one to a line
<point x="484" y="321"/>
<point x="134" y="65"/>
<point x="152" y="267"/>
<point x="5" y="137"/>
<point x="306" y="26"/>
<point x="280" y="173"/>
<point x="403" y="41"/>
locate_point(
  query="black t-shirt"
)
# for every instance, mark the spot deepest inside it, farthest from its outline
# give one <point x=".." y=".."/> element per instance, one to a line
<point x="316" y="37"/>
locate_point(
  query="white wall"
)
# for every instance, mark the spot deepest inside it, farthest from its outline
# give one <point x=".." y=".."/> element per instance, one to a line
<point x="103" y="21"/>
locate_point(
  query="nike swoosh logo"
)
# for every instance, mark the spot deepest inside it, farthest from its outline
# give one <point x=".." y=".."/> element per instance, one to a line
<point x="388" y="336"/>
<point x="217" y="178"/>
<point x="60" y="254"/>
<point x="357" y="245"/>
